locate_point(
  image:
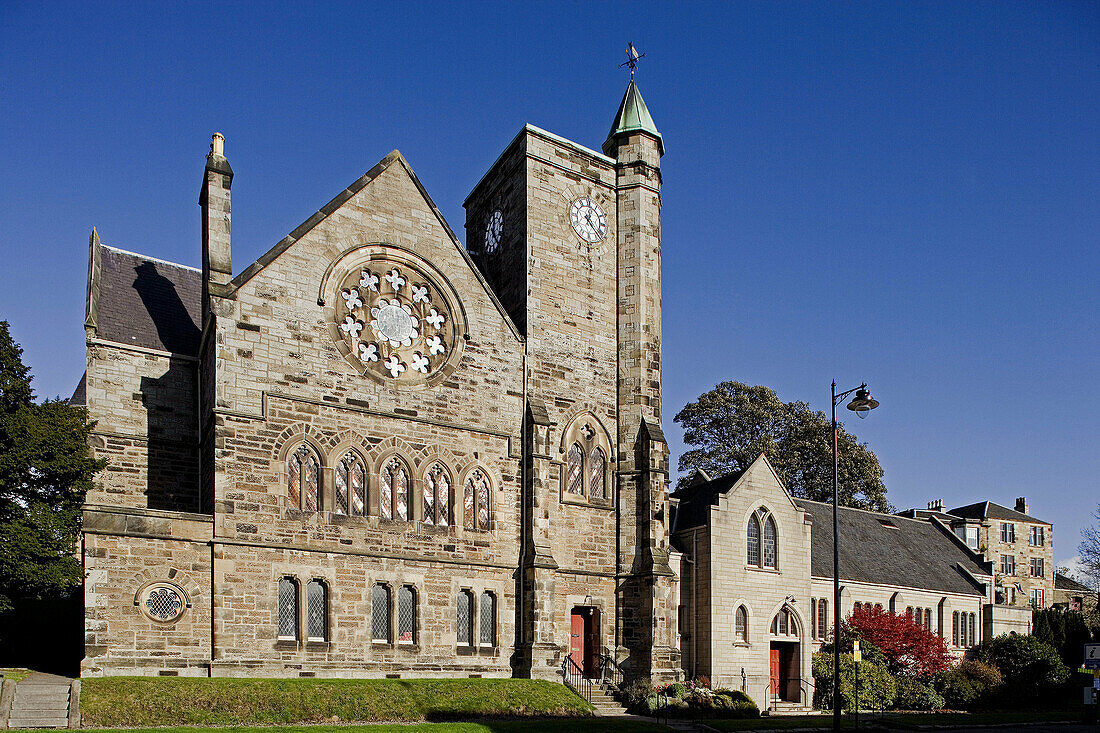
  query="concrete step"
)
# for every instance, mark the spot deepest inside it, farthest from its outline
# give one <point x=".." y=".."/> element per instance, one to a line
<point x="39" y="692"/>
<point x="51" y="722"/>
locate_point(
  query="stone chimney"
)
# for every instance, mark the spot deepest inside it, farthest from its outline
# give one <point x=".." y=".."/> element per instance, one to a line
<point x="936" y="505"/>
<point x="217" y="270"/>
<point x="1021" y="504"/>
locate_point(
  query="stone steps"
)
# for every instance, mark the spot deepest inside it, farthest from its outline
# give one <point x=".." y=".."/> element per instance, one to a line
<point x="605" y="704"/>
<point x="40" y="701"/>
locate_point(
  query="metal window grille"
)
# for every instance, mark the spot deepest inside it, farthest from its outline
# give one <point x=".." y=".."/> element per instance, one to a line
<point x="316" y="611"/>
<point x="464" y="618"/>
<point x="468" y="518"/>
<point x="741" y="624"/>
<point x="342" y="487"/>
<point x="754" y="541"/>
<point x="574" y="470"/>
<point x="358" y="489"/>
<point x="770" y="543"/>
<point x="380" y="613"/>
<point x="288" y="609"/>
<point x="406" y="614"/>
<point x="164" y="603"/>
<point x="488" y="613"/>
<point x="597" y="476"/>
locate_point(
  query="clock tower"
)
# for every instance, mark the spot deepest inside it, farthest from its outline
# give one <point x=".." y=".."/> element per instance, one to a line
<point x="569" y="240"/>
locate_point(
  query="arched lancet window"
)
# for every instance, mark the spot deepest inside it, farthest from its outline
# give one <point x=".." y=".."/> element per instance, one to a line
<point x="784" y="623"/>
<point x="475" y="500"/>
<point x="437" y="496"/>
<point x="597" y="474"/>
<point x="288" y="608"/>
<point x="464" y="618"/>
<point x="351" y="485"/>
<point x="754" y="541"/>
<point x="394" y="482"/>
<point x="574" y="469"/>
<point x="380" y="613"/>
<point x="406" y="615"/>
<point x="316" y="611"/>
<point x="771" y="550"/>
<point x="741" y="624"/>
<point x="303" y="472"/>
<point x="488" y="617"/>
<point x="822" y="618"/>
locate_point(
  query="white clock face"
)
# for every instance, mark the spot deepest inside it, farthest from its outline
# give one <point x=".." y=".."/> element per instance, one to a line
<point x="588" y="220"/>
<point x="493" y="229"/>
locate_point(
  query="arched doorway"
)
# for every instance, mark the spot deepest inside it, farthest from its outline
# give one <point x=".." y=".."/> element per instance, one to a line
<point x="785" y="657"/>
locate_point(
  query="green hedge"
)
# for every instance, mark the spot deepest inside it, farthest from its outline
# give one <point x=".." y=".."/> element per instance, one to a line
<point x="161" y="701"/>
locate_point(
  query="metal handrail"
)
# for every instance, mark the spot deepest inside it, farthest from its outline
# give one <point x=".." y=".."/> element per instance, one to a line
<point x="573" y="676"/>
<point x="771" y="697"/>
<point x="610" y="671"/>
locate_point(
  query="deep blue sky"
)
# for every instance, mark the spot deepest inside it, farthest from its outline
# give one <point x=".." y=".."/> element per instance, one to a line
<point x="907" y="194"/>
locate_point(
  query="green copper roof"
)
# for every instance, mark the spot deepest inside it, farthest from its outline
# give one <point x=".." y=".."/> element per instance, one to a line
<point x="633" y="116"/>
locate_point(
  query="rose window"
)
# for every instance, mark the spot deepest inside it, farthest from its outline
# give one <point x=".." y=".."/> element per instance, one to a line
<point x="394" y="321"/>
<point x="162" y="602"/>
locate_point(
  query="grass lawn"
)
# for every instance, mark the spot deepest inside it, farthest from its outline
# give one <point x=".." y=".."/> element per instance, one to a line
<point x="503" y="726"/>
<point x="134" y="702"/>
<point x="15" y="674"/>
<point x="900" y="720"/>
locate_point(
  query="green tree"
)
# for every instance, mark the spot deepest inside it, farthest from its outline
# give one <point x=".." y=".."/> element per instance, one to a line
<point x="734" y="423"/>
<point x="45" y="471"/>
<point x="1089" y="551"/>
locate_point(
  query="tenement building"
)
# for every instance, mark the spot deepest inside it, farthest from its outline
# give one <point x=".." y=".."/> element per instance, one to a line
<point x="377" y="452"/>
<point x="757" y="582"/>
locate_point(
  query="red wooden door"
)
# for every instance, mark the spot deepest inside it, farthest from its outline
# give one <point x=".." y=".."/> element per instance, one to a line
<point x="775" y="671"/>
<point x="592" y="642"/>
<point x="576" y="638"/>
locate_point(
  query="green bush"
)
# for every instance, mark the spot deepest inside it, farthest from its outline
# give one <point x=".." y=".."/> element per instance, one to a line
<point x="1031" y="669"/>
<point x="915" y="693"/>
<point x="967" y="684"/>
<point x="636" y="694"/>
<point x="877" y="689"/>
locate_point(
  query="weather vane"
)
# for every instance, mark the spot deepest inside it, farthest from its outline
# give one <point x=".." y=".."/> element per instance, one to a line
<point x="632" y="57"/>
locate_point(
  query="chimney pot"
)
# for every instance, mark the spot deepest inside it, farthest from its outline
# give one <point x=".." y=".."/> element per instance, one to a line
<point x="936" y="505"/>
<point x="217" y="144"/>
<point x="1021" y="504"/>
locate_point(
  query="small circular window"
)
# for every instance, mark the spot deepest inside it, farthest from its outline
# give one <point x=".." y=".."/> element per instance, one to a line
<point x="162" y="602"/>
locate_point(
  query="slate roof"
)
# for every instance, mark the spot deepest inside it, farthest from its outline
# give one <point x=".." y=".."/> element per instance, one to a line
<point x="80" y="394"/>
<point x="991" y="510"/>
<point x="914" y="553"/>
<point x="1063" y="582"/>
<point x="148" y="302"/>
<point x="696" y="500"/>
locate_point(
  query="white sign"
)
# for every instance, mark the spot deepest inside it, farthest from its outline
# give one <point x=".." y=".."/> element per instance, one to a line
<point x="1092" y="656"/>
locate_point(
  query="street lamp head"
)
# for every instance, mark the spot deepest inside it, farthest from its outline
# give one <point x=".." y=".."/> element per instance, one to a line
<point x="863" y="402"/>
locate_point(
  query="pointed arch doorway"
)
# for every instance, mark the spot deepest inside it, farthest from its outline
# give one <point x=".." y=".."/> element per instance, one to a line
<point x="785" y="654"/>
<point x="584" y="638"/>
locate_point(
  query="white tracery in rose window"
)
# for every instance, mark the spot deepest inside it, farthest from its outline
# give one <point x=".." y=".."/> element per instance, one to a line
<point x="394" y="322"/>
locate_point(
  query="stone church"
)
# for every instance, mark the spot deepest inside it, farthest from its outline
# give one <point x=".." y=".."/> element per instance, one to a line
<point x="377" y="452"/>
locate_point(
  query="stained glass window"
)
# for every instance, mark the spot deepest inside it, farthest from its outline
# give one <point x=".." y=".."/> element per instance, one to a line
<point x="574" y="470"/>
<point x="488" y="613"/>
<point x="475" y="499"/>
<point x="754" y="541"/>
<point x="769" y="543"/>
<point x="316" y="611"/>
<point x="822" y="618"/>
<point x="380" y="613"/>
<point x="341" y="487"/>
<point x="437" y="496"/>
<point x="394" y="500"/>
<point x="406" y="614"/>
<point x="465" y="618"/>
<point x="597" y="465"/>
<point x="303" y="479"/>
<point x="288" y="609"/>
<point x="741" y="624"/>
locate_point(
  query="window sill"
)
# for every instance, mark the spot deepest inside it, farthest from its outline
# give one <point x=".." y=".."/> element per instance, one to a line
<point x="465" y="650"/>
<point x="381" y="644"/>
<point x="318" y="645"/>
<point x="488" y="650"/>
<point x="758" y="569"/>
<point x="285" y="643"/>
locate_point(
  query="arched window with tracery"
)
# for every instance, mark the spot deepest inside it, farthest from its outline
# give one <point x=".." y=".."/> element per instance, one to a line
<point x="351" y="485"/>
<point x="394" y="490"/>
<point x="574" y="469"/>
<point x="771" y="548"/>
<point x="303" y="471"/>
<point x="597" y="474"/>
<point x="753" y="535"/>
<point x="741" y="624"/>
<point x="437" y="496"/>
<point x="784" y="623"/>
<point x="475" y="501"/>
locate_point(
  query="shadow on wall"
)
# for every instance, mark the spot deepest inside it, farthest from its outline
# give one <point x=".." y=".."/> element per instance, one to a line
<point x="170" y="400"/>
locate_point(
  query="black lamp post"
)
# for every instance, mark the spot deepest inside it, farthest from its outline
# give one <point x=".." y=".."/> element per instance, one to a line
<point x="861" y="404"/>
